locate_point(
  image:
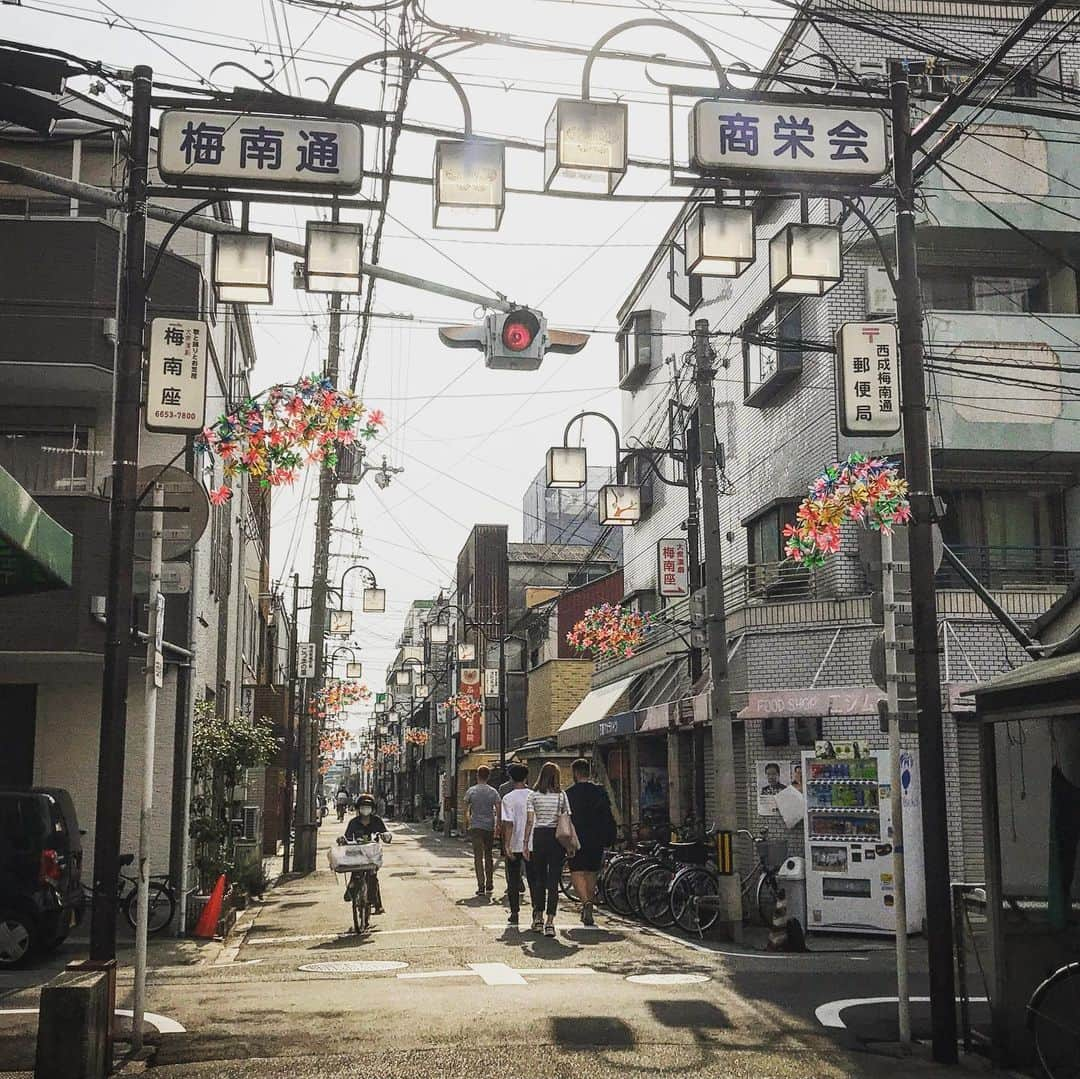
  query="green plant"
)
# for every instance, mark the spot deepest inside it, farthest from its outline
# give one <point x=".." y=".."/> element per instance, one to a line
<point x="254" y="879"/>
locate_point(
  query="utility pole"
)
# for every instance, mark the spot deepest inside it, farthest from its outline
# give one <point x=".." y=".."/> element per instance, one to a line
<point x="154" y="622"/>
<point x="290" y="726"/>
<point x="125" y="463"/>
<point x="502" y="709"/>
<point x="304" y="861"/>
<point x="729" y="893"/>
<point x="917" y="470"/>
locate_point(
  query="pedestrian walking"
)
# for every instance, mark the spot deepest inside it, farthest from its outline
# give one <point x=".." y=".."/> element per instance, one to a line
<point x="595" y="826"/>
<point x="481" y="818"/>
<point x="504" y="790"/>
<point x="543" y="851"/>
<point x="514" y="815"/>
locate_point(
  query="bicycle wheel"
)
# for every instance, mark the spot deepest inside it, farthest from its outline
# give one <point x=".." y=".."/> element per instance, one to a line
<point x="361" y="911"/>
<point x="1054" y="1021"/>
<point x="615" y="887"/>
<point x="633" y="883"/>
<point x="653" y="896"/>
<point x="160" y="907"/>
<point x="689" y="885"/>
<point x="767" y="891"/>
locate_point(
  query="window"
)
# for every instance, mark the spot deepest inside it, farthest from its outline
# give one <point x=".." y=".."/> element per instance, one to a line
<point x="50" y="461"/>
<point x="981" y="290"/>
<point x="1009" y="295"/>
<point x="685" y="288"/>
<point x="764" y="534"/>
<point x="220" y="551"/>
<point x="772" y="356"/>
<point x="635" y="339"/>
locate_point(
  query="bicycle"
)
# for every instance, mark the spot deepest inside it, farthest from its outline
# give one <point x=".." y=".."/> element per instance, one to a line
<point x="360" y="890"/>
<point x="161" y="898"/>
<point x="1053" y="1018"/>
<point x="760" y="887"/>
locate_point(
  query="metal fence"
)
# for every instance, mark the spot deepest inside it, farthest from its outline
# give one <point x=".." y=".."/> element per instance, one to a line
<point x="1013" y="568"/>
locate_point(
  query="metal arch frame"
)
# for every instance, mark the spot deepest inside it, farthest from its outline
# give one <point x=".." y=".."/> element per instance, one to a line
<point x="622" y="455"/>
<point x="630" y="24"/>
<point x="406" y="54"/>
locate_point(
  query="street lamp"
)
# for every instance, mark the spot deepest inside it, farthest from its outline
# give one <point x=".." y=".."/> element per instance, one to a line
<point x="374" y="598"/>
<point x="466" y="652"/>
<point x="619" y="505"/>
<point x="469" y="191"/>
<point x="585" y="146"/>
<point x="354" y="670"/>
<point x="438" y="633"/>
<point x="567" y="466"/>
<point x="805" y="259"/>
<point x="333" y="257"/>
<point x="719" y="241"/>
<point x="243" y="268"/>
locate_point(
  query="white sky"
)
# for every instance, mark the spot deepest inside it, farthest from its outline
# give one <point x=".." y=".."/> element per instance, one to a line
<point x="470" y="440"/>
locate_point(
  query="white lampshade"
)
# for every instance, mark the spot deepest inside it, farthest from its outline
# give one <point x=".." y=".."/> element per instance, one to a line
<point x="438" y="633"/>
<point x="567" y="466"/>
<point x="354" y="670"/>
<point x="469" y="187"/>
<point x="333" y="256"/>
<point x="402" y="678"/>
<point x="719" y="241"/>
<point x="374" y="601"/>
<point x="619" y="504"/>
<point x="340" y="623"/>
<point x="466" y="652"/>
<point x="243" y="270"/>
<point x="422" y="691"/>
<point x="805" y="259"/>
<point x="585" y="146"/>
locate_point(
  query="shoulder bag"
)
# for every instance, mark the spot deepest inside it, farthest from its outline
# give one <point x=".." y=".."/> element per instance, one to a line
<point x="565" y="832"/>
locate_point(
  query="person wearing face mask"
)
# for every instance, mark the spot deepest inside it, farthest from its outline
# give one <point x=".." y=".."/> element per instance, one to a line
<point x="362" y="829"/>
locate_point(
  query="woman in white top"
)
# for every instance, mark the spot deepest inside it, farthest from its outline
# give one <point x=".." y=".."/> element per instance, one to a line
<point x="543" y="851"/>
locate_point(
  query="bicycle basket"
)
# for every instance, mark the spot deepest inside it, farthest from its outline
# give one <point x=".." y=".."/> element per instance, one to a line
<point x="771" y="853"/>
<point x="355" y="856"/>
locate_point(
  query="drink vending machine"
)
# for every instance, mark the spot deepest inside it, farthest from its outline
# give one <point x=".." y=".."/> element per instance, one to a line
<point x="850" y="873"/>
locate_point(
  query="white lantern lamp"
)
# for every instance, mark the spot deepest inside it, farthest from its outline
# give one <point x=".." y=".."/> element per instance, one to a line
<point x="354" y="670"/>
<point x="805" y="259"/>
<point x="469" y="190"/>
<point x="438" y="633"/>
<point x="402" y="677"/>
<point x="619" y="505"/>
<point x="719" y="241"/>
<point x="585" y="146"/>
<point x="567" y="466"/>
<point x="374" y="601"/>
<point x="333" y="257"/>
<point x="243" y="269"/>
<point x="466" y="652"/>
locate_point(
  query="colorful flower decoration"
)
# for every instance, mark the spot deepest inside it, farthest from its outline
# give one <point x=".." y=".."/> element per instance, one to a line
<point x="391" y="749"/>
<point x="609" y="632"/>
<point x="467" y="709"/>
<point x="416" y="736"/>
<point x="272" y="439"/>
<point x="867" y="490"/>
<point x="335" y="697"/>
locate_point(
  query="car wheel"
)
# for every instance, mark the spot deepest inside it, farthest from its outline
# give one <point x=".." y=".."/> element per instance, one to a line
<point x="17" y="935"/>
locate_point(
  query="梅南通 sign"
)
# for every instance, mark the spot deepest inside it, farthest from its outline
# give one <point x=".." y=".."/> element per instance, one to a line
<point x="672" y="567"/>
<point x="219" y="149"/>
<point x="176" y="380"/>
<point x="757" y="136"/>
<point x="868" y="378"/>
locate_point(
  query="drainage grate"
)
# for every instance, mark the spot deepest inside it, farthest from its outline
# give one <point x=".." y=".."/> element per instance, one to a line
<point x="355" y="966"/>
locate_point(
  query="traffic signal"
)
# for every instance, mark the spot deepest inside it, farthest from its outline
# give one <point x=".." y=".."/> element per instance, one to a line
<point x="515" y="340"/>
<point x="30" y="85"/>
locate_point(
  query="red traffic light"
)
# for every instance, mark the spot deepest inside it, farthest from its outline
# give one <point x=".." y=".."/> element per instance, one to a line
<point x="519" y="330"/>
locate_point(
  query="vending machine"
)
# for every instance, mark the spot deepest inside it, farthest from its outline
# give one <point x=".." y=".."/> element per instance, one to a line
<point x="850" y="873"/>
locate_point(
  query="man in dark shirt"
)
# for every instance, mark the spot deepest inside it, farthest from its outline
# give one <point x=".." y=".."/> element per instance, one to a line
<point x="362" y="829"/>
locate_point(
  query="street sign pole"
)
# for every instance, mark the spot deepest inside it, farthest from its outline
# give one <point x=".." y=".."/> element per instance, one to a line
<point x="125" y="456"/>
<point x="154" y="624"/>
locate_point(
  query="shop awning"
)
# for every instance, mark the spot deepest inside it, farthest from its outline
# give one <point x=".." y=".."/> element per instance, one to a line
<point x="582" y="725"/>
<point x="35" y="552"/>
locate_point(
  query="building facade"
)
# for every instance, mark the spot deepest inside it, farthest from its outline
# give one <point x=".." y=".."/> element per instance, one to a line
<point x="569" y="514"/>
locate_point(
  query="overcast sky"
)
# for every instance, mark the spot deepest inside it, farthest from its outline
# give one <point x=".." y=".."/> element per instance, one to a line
<point x="470" y="440"/>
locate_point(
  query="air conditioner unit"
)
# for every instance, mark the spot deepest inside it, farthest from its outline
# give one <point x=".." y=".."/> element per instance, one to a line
<point x="880" y="300"/>
<point x="870" y="69"/>
<point x="251" y="823"/>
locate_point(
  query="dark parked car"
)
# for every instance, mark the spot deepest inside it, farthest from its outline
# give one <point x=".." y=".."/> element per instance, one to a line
<point x="40" y="871"/>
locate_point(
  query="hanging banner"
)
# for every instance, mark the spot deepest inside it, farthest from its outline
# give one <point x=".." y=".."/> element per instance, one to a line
<point x="672" y="568"/>
<point x="471" y="727"/>
<point x="868" y="377"/>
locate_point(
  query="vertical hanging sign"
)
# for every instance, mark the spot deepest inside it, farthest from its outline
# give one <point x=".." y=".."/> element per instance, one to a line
<point x="176" y="379"/>
<point x="868" y="378"/>
<point x="672" y="568"/>
<point x="471" y="725"/>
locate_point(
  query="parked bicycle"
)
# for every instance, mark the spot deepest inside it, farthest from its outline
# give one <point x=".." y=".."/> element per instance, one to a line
<point x="1053" y="1015"/>
<point x="161" y="898"/>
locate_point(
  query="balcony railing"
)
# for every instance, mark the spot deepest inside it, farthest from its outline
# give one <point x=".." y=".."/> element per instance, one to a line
<point x="49" y="468"/>
<point x="1009" y="568"/>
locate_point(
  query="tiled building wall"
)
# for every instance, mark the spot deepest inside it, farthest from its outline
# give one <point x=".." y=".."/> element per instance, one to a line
<point x="556" y="688"/>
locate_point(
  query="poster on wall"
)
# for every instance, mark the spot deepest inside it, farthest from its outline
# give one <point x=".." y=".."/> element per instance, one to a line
<point x="773" y="776"/>
<point x="654" y="789"/>
<point x="846" y="750"/>
<point x="829" y="859"/>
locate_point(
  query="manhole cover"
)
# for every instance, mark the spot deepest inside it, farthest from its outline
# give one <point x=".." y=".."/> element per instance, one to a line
<point x="667" y="979"/>
<point x="355" y="966"/>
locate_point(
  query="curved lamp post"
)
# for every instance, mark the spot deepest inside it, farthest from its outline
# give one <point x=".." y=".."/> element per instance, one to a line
<point x="469" y="174"/>
<point x="374" y="597"/>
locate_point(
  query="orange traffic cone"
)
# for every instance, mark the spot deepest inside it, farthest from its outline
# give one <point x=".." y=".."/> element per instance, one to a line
<point x="206" y="927"/>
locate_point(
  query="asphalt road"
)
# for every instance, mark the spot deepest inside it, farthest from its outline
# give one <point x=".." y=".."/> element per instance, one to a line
<point x="446" y="988"/>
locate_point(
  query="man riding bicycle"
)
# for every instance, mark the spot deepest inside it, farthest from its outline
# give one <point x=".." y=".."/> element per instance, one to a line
<point x="363" y="828"/>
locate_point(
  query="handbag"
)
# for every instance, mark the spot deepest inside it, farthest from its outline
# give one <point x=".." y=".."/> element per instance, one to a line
<point x="565" y="832"/>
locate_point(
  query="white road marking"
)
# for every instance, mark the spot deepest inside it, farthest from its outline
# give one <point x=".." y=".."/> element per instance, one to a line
<point x="828" y="1015"/>
<point x="667" y="979"/>
<point x="161" y="1023"/>
<point x="498" y="974"/>
<point x="494" y="973"/>
<point x="343" y="936"/>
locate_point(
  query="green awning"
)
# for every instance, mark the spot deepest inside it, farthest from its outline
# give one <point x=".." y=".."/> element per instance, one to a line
<point x="35" y="552"/>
